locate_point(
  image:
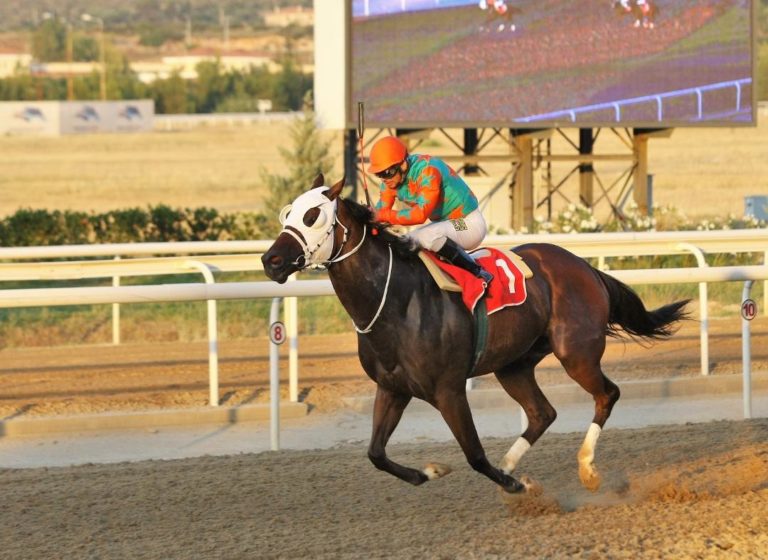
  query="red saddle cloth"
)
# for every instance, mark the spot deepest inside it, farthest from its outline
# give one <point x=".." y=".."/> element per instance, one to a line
<point x="507" y="287"/>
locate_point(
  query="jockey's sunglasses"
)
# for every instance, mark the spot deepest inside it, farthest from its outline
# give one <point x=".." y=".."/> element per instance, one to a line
<point x="389" y="172"/>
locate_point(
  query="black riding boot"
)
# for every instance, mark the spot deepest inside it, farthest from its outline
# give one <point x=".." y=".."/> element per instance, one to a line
<point x="455" y="255"/>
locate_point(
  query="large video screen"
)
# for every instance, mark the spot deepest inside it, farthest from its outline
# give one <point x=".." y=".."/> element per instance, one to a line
<point x="536" y="63"/>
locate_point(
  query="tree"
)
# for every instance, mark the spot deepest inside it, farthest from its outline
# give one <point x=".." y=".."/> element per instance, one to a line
<point x="290" y="87"/>
<point x="49" y="41"/>
<point x="311" y="155"/>
<point x="170" y="95"/>
<point x="211" y="86"/>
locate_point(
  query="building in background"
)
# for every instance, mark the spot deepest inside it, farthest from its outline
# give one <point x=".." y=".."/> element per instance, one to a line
<point x="10" y="63"/>
<point x="293" y="15"/>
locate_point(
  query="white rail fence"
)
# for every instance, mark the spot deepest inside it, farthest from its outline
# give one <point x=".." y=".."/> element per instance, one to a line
<point x="207" y="258"/>
<point x="657" y="100"/>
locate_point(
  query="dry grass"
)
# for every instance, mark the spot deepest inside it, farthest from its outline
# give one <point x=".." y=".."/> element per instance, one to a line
<point x="704" y="172"/>
<point x="218" y="167"/>
<point x="710" y="172"/>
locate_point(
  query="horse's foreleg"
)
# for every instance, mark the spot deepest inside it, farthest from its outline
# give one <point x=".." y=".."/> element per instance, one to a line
<point x="387" y="410"/>
<point x="454" y="408"/>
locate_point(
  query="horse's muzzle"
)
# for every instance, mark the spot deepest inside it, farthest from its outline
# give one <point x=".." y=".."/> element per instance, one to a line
<point x="275" y="267"/>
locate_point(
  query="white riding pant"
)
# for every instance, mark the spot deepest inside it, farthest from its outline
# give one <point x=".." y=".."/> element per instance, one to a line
<point x="467" y="232"/>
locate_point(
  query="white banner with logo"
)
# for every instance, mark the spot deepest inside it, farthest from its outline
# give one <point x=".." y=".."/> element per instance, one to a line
<point x="76" y="117"/>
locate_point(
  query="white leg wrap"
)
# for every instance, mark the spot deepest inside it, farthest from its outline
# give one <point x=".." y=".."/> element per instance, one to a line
<point x="513" y="456"/>
<point x="431" y="472"/>
<point x="587" y="452"/>
<point x="436" y="470"/>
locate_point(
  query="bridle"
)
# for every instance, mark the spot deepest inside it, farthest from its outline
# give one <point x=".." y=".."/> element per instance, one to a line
<point x="314" y="240"/>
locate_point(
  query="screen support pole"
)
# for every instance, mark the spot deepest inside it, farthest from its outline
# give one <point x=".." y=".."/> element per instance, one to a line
<point x="522" y="181"/>
<point x="586" y="170"/>
<point x="641" y="191"/>
<point x="470" y="149"/>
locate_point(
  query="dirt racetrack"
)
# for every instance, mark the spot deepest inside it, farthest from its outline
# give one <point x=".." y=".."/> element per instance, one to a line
<point x="692" y="491"/>
<point x="101" y="378"/>
<point x="687" y="491"/>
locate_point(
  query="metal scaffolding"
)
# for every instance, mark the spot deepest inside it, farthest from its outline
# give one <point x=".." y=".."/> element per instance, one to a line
<point x="531" y="155"/>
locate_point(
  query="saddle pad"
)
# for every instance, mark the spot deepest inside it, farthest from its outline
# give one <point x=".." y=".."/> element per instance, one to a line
<point x="507" y="287"/>
<point x="444" y="280"/>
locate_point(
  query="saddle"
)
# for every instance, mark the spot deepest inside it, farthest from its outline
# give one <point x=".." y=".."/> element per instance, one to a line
<point x="507" y="287"/>
<point x="446" y="282"/>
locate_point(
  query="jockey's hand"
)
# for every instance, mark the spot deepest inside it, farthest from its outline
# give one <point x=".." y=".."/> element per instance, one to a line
<point x="385" y="216"/>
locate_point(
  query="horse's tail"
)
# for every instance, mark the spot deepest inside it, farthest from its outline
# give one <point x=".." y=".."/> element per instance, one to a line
<point x="626" y="310"/>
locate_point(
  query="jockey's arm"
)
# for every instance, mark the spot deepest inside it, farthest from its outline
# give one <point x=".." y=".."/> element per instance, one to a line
<point x="383" y="211"/>
<point x="428" y="189"/>
<point x="386" y="199"/>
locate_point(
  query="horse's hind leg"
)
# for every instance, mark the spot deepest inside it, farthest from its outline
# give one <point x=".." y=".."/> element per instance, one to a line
<point x="587" y="373"/>
<point x="519" y="381"/>
<point x="387" y="410"/>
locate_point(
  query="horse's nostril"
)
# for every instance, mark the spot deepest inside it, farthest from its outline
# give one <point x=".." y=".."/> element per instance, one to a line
<point x="272" y="261"/>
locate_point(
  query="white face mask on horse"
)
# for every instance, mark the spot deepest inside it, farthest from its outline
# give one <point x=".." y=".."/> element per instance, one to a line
<point x="315" y="238"/>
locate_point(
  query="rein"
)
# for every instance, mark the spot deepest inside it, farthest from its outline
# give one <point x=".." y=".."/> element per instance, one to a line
<point x="383" y="298"/>
<point x="338" y="257"/>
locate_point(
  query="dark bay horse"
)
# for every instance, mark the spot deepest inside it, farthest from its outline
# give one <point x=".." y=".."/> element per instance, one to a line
<point x="644" y="13"/>
<point x="415" y="340"/>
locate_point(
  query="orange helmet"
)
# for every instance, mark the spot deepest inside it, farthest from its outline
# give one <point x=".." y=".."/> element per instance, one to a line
<point x="387" y="152"/>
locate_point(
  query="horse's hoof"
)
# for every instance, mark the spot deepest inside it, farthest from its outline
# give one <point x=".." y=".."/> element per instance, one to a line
<point x="513" y="487"/>
<point x="532" y="487"/>
<point x="589" y="477"/>
<point x="436" y="470"/>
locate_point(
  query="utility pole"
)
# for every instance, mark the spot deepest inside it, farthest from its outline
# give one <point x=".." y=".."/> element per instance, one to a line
<point x="188" y="32"/>
<point x="88" y="18"/>
<point x="69" y="48"/>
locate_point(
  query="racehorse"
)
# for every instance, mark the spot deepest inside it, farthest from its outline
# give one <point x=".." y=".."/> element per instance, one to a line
<point x="644" y="12"/>
<point x="415" y="340"/>
<point x="498" y="10"/>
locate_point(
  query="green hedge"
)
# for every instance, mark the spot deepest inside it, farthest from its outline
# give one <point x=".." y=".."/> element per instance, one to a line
<point x="28" y="227"/>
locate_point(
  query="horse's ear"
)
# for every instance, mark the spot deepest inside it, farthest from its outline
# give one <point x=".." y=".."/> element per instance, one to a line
<point x="319" y="181"/>
<point x="335" y="190"/>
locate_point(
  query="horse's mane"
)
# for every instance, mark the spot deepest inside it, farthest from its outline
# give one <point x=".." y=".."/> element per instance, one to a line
<point x="402" y="246"/>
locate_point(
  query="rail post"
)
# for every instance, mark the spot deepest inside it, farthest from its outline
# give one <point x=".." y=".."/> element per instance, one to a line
<point x="116" y="311"/>
<point x="746" y="351"/>
<point x="213" y="338"/>
<point x="274" y="375"/>
<point x="291" y="313"/>
<point x="703" y="307"/>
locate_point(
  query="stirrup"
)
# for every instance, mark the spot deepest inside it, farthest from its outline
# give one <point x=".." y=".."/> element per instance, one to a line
<point x="485" y="275"/>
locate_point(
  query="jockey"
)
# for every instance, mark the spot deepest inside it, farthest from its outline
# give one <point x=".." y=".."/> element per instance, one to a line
<point x="499" y="5"/>
<point x="626" y="5"/>
<point x="429" y="189"/>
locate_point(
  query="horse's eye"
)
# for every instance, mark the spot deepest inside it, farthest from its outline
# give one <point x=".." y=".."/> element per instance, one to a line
<point x="314" y="218"/>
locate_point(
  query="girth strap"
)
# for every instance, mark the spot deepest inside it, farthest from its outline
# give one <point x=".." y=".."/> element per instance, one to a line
<point x="481" y="332"/>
